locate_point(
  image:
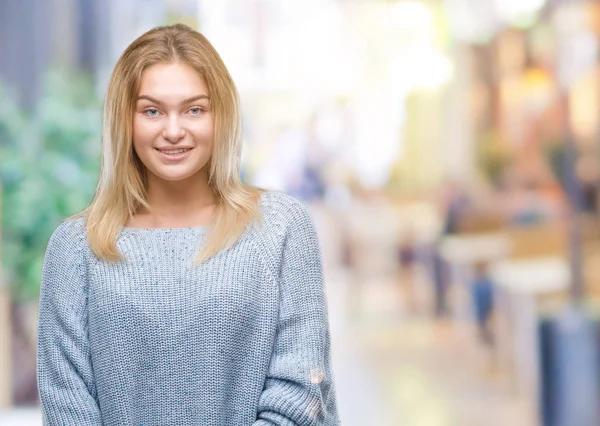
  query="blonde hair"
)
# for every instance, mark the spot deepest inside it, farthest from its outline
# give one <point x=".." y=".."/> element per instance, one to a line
<point x="122" y="186"/>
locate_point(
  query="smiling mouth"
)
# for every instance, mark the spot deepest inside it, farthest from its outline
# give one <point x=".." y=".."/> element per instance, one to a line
<point x="173" y="152"/>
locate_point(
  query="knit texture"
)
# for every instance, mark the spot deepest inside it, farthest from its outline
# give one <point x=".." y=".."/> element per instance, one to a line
<point x="240" y="340"/>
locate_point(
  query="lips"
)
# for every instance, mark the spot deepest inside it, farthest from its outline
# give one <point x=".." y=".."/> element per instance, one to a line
<point x="176" y="155"/>
<point x="172" y="150"/>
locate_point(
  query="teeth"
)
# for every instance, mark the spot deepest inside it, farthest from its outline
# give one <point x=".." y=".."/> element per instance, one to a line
<point x="177" y="151"/>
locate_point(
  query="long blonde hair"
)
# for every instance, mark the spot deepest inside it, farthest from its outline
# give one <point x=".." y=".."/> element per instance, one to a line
<point x="122" y="186"/>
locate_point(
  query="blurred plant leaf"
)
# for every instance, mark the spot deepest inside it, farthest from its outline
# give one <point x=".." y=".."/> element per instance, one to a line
<point x="49" y="164"/>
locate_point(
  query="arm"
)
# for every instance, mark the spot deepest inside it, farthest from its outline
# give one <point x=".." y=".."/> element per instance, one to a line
<point x="299" y="389"/>
<point x="64" y="371"/>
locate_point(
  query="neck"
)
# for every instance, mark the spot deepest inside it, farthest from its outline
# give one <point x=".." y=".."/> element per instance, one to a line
<point x="183" y="202"/>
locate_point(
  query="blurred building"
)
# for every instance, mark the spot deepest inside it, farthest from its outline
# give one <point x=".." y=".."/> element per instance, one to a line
<point x="37" y="35"/>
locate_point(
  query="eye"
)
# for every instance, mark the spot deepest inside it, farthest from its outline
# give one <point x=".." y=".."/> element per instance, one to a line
<point x="151" y="112"/>
<point x="196" y="110"/>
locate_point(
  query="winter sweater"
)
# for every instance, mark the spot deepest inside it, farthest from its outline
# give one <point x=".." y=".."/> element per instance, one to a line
<point x="240" y="340"/>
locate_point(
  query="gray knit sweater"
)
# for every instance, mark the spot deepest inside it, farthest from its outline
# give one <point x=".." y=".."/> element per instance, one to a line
<point x="241" y="340"/>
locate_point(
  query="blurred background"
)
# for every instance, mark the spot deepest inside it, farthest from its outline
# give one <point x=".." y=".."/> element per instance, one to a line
<point x="448" y="151"/>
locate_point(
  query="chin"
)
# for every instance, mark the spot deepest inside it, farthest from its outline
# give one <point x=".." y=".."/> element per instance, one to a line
<point x="175" y="176"/>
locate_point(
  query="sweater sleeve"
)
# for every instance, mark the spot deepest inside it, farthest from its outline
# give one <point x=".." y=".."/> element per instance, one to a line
<point x="299" y="388"/>
<point x="65" y="376"/>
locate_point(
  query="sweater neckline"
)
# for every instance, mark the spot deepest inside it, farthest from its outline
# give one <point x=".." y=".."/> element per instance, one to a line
<point x="201" y="229"/>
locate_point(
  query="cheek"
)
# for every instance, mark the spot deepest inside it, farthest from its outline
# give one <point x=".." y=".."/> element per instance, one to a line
<point x="142" y="133"/>
<point x="137" y="132"/>
<point x="139" y="129"/>
<point x="210" y="136"/>
<point x="202" y="130"/>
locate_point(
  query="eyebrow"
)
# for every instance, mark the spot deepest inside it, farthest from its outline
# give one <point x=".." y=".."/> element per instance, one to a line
<point x="185" y="101"/>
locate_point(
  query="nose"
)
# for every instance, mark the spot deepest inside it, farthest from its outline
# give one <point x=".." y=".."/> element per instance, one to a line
<point x="173" y="130"/>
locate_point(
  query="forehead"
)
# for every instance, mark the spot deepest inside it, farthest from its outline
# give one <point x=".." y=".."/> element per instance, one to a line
<point x="172" y="82"/>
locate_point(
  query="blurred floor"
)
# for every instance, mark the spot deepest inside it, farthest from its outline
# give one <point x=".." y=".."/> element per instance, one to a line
<point x="394" y="364"/>
<point x="20" y="417"/>
<point x="396" y="369"/>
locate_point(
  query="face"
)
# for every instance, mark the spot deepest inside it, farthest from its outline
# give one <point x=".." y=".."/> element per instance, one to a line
<point x="173" y="124"/>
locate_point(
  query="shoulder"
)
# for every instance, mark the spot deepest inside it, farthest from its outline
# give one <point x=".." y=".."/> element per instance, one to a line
<point x="65" y="262"/>
<point x="282" y="211"/>
<point x="287" y="234"/>
<point x="286" y="223"/>
<point x="68" y="235"/>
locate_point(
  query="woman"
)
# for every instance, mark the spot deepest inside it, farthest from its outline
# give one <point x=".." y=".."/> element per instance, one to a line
<point x="181" y="296"/>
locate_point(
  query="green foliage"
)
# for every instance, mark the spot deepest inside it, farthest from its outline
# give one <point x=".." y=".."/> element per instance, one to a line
<point x="49" y="166"/>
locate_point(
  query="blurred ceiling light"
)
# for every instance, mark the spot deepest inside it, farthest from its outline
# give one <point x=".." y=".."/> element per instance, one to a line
<point x="519" y="12"/>
<point x="471" y="20"/>
<point x="378" y="123"/>
<point x="421" y="67"/>
<point x="410" y="14"/>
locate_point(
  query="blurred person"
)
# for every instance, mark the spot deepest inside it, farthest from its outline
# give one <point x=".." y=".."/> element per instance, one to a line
<point x="482" y="294"/>
<point x="588" y="175"/>
<point x="406" y="252"/>
<point x="455" y="203"/>
<point x="328" y="132"/>
<point x="181" y="296"/>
